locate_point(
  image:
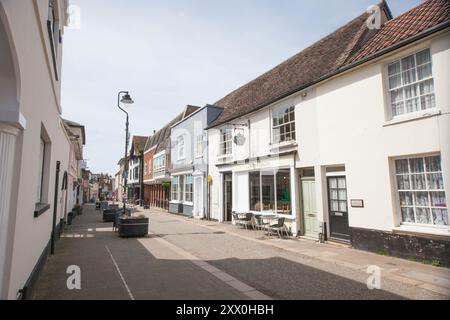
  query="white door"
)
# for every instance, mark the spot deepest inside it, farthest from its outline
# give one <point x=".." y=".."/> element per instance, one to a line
<point x="310" y="208"/>
<point x="198" y="197"/>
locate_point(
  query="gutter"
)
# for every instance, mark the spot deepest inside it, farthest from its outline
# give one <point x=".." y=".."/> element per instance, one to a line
<point x="405" y="42"/>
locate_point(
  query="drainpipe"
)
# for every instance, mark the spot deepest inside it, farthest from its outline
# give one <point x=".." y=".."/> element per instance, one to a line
<point x="55" y="207"/>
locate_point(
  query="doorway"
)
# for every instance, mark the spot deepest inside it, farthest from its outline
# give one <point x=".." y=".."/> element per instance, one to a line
<point x="338" y="208"/>
<point x="309" y="206"/>
<point x="228" y="197"/>
<point x="198" y="196"/>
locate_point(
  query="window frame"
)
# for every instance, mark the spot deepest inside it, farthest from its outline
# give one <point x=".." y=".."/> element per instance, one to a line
<point x="224" y="149"/>
<point x="199" y="146"/>
<point x="274" y="114"/>
<point x="175" y="189"/>
<point x="274" y="173"/>
<point x="159" y="165"/>
<point x="416" y="83"/>
<point x="188" y="192"/>
<point x="181" y="148"/>
<point x="398" y="191"/>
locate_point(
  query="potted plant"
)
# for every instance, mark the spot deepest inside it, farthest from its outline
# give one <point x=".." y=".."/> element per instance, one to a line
<point x="109" y="215"/>
<point x="69" y="218"/>
<point x="132" y="227"/>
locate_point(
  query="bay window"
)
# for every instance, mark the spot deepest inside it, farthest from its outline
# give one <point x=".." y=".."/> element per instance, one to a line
<point x="283" y="124"/>
<point x="421" y="191"/>
<point x="411" y="84"/>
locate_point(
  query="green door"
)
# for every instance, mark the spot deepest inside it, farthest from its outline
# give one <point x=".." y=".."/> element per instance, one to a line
<point x="310" y="208"/>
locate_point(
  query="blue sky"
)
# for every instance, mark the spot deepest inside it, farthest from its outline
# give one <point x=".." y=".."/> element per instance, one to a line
<point x="170" y="54"/>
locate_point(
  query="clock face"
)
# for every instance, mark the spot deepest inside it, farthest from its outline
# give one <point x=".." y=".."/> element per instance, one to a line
<point x="239" y="139"/>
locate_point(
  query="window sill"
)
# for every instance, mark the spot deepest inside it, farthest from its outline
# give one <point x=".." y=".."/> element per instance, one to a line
<point x="283" y="145"/>
<point x="412" y="117"/>
<point x="423" y="230"/>
<point x="40" y="209"/>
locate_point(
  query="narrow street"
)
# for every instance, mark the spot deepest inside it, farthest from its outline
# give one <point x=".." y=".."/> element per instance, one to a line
<point x="200" y="260"/>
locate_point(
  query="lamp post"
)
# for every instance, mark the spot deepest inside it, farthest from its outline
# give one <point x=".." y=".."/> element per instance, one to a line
<point x="126" y="99"/>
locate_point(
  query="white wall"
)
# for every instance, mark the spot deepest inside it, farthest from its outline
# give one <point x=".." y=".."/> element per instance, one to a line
<point x="39" y="105"/>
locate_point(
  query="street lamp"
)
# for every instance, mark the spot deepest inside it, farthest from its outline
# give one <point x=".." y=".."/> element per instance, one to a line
<point x="125" y="98"/>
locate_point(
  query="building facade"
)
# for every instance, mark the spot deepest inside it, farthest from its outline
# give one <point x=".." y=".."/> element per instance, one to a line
<point x="351" y="145"/>
<point x="157" y="156"/>
<point x="136" y="170"/>
<point x="34" y="145"/>
<point x="189" y="163"/>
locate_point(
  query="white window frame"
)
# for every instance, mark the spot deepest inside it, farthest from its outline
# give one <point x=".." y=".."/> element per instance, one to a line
<point x="175" y="189"/>
<point x="226" y="144"/>
<point x="199" y="146"/>
<point x="411" y="190"/>
<point x="277" y="125"/>
<point x="190" y="192"/>
<point x="159" y="165"/>
<point x="274" y="173"/>
<point x="181" y="148"/>
<point x="416" y="83"/>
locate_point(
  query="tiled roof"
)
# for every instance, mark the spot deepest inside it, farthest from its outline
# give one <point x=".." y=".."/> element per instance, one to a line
<point x="347" y="45"/>
<point x="160" y="138"/>
<point x="425" y="16"/>
<point x="139" y="143"/>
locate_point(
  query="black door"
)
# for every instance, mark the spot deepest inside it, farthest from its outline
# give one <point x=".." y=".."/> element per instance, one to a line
<point x="228" y="196"/>
<point x="338" y="208"/>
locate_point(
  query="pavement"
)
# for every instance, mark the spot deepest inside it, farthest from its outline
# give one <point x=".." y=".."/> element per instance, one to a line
<point x="189" y="259"/>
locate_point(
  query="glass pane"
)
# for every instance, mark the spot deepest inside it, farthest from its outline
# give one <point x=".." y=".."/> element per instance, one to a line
<point x="334" y="205"/>
<point x="440" y="217"/>
<point x="408" y="63"/>
<point x="435" y="181"/>
<point x="408" y="215"/>
<point x="284" y="192"/>
<point x="341" y="183"/>
<point x="401" y="166"/>
<point x="413" y="105"/>
<point x="427" y="87"/>
<point x="424" y="71"/>
<point x="423" y="215"/>
<point x="343" y="194"/>
<point x="398" y="109"/>
<point x="438" y="199"/>
<point x="395" y="81"/>
<point x="255" y="192"/>
<point x="416" y="165"/>
<point x="409" y="76"/>
<point x="334" y="194"/>
<point x="428" y="101"/>
<point x="397" y="95"/>
<point x="403" y="182"/>
<point x="411" y="91"/>
<point x="394" y="68"/>
<point x="343" y="206"/>
<point x="418" y="182"/>
<point x="422" y="199"/>
<point x="423" y="57"/>
<point x="268" y="192"/>
<point x="333" y="183"/>
<point x="406" y="198"/>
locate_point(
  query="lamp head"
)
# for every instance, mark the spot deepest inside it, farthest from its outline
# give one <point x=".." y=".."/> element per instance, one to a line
<point x="126" y="99"/>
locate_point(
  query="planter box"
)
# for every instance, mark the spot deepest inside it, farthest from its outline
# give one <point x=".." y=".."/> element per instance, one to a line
<point x="109" y="215"/>
<point x="130" y="227"/>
